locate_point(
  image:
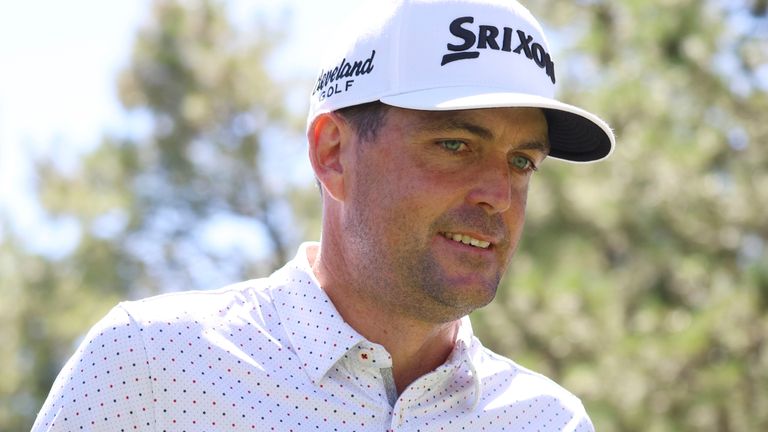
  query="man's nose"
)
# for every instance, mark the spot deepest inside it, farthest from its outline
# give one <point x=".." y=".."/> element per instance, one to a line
<point x="492" y="188"/>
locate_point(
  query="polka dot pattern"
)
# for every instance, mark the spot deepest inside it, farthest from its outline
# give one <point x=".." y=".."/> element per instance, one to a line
<point x="274" y="354"/>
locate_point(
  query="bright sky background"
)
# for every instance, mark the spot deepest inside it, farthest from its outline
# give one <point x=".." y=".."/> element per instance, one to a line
<point x="59" y="60"/>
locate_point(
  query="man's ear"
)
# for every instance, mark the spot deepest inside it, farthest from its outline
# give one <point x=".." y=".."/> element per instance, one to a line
<point x="326" y="136"/>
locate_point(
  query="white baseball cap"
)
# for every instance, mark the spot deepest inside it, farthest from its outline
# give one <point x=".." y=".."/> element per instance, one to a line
<point x="452" y="55"/>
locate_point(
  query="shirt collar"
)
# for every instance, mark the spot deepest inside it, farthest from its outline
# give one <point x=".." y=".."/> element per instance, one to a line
<point x="320" y="335"/>
<point x="466" y="349"/>
<point x="316" y="330"/>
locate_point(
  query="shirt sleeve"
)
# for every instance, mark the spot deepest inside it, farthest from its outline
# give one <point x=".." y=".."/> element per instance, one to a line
<point x="106" y="385"/>
<point x="581" y="422"/>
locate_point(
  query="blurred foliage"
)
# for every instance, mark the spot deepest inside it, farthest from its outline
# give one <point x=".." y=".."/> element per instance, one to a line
<point x="149" y="208"/>
<point x="641" y="284"/>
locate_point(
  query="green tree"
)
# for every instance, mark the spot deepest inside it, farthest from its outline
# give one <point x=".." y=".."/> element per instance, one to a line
<point x="144" y="204"/>
<point x="642" y="282"/>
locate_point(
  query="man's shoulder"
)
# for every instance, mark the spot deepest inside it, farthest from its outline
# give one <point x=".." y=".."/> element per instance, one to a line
<point x="199" y="305"/>
<point x="508" y="376"/>
<point x="526" y="394"/>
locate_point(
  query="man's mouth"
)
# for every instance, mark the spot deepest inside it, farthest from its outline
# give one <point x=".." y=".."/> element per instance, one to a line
<point x="467" y="240"/>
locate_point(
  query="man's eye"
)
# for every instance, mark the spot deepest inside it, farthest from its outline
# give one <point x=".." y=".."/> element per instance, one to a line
<point x="452" y="145"/>
<point x="523" y="163"/>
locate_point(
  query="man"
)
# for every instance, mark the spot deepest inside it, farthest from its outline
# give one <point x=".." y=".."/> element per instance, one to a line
<point x="424" y="130"/>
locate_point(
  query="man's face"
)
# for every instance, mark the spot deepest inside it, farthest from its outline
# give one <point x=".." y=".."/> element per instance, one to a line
<point x="435" y="206"/>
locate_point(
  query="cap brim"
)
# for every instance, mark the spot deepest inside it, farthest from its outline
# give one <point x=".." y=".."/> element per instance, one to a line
<point x="575" y="135"/>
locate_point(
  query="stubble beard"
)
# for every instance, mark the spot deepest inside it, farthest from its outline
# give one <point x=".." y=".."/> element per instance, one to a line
<point x="406" y="278"/>
<point x="444" y="300"/>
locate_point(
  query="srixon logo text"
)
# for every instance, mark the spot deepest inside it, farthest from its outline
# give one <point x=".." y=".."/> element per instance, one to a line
<point x="490" y="37"/>
<point x="328" y="83"/>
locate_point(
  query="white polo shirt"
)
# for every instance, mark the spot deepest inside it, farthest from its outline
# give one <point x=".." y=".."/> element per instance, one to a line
<point x="273" y="354"/>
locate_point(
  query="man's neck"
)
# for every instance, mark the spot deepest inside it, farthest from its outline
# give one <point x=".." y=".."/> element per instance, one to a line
<point x="417" y="347"/>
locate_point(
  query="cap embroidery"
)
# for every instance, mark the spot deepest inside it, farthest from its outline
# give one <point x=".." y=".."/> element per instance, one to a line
<point x="343" y="70"/>
<point x="486" y="38"/>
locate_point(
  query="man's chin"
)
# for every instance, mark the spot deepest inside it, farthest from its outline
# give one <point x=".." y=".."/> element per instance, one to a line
<point x="466" y="293"/>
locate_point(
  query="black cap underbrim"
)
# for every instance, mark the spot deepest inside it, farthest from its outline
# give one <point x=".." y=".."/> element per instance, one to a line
<point x="574" y="138"/>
